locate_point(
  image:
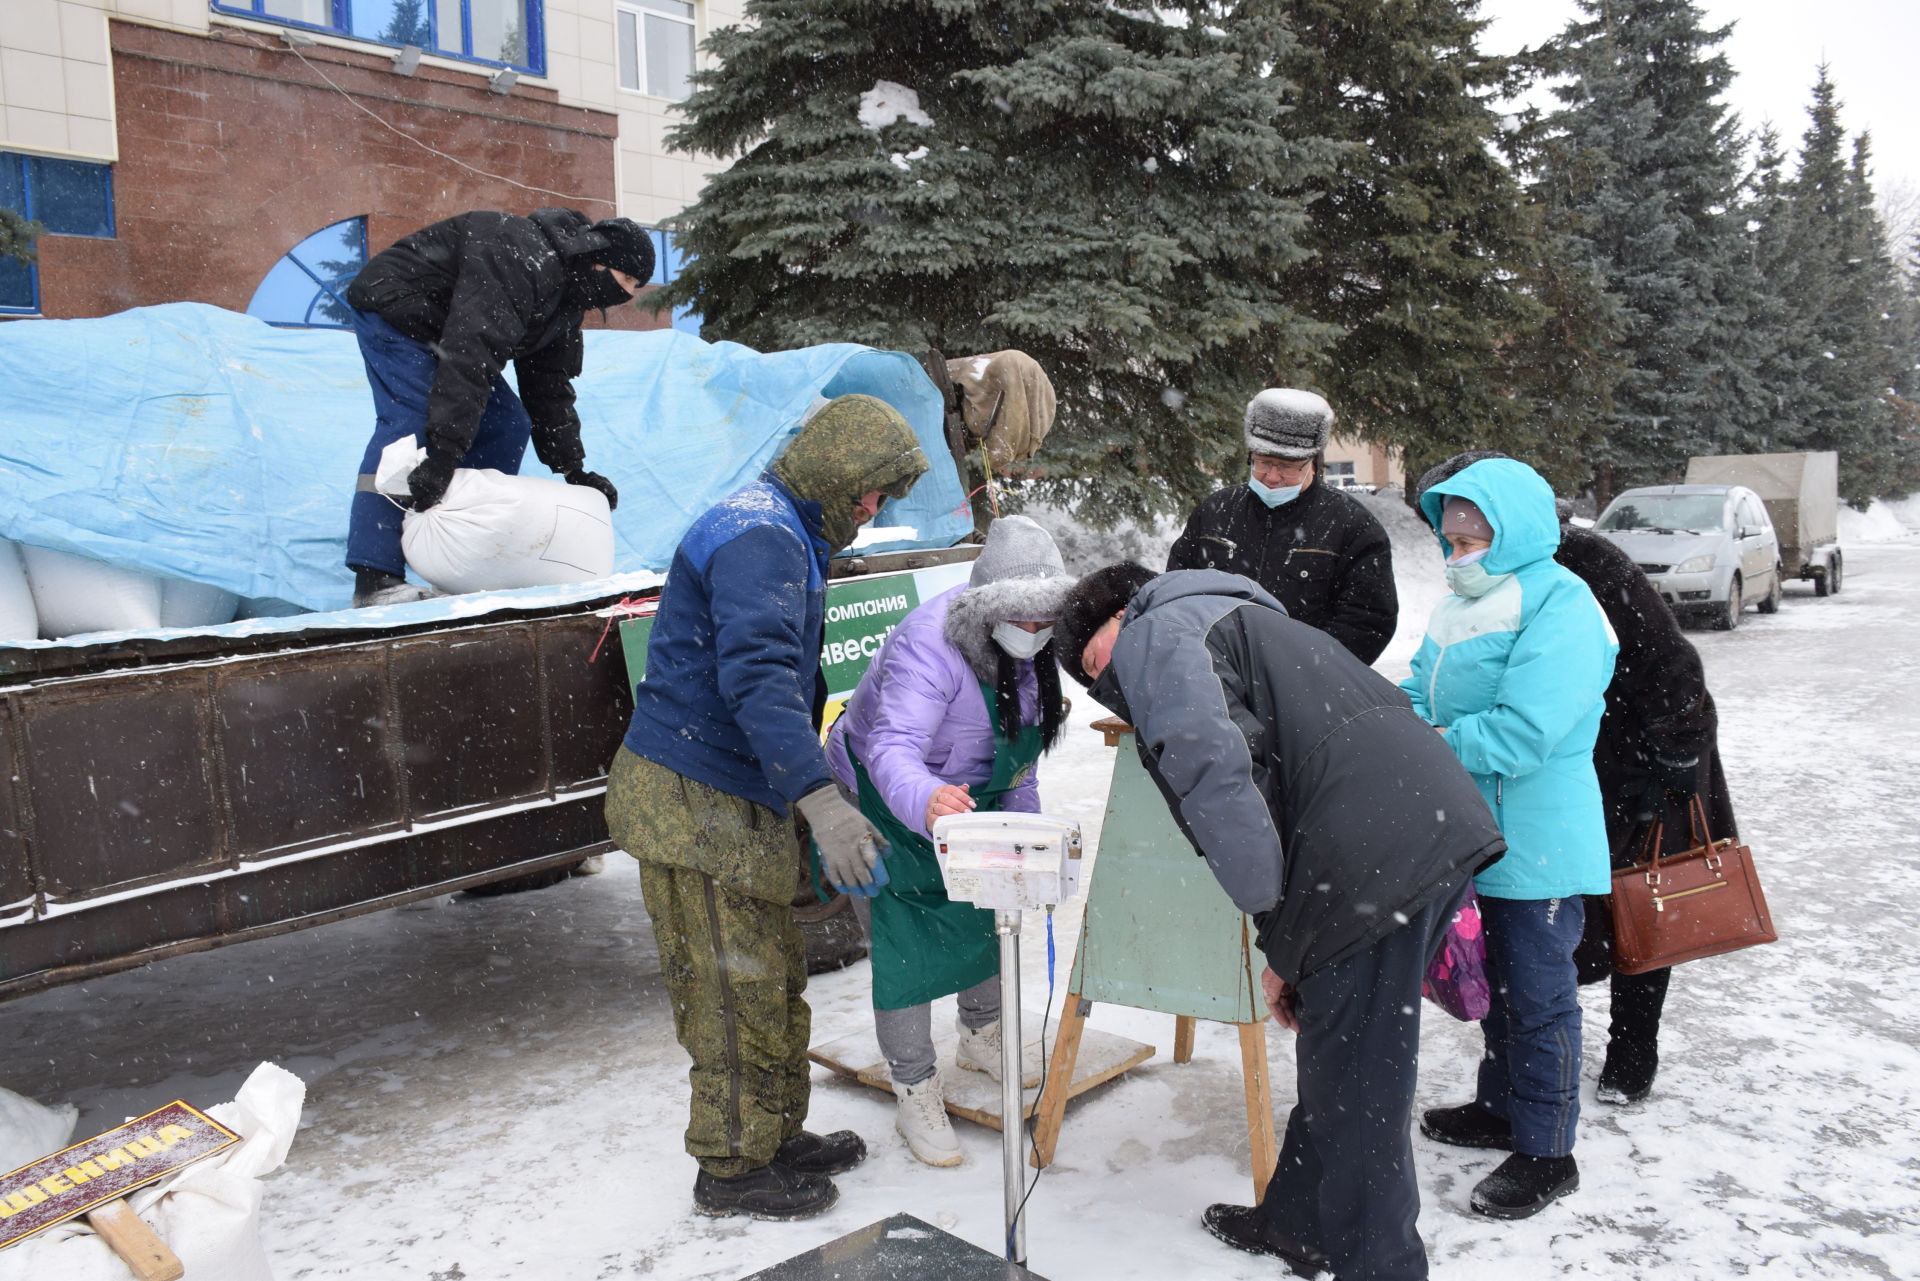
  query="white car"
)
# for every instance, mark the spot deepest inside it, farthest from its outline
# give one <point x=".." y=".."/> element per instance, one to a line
<point x="1709" y="549"/>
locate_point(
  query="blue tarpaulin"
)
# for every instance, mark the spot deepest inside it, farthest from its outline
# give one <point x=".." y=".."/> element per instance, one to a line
<point x="198" y="443"/>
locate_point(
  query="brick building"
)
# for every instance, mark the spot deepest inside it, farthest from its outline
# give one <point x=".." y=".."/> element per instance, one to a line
<point x="247" y="152"/>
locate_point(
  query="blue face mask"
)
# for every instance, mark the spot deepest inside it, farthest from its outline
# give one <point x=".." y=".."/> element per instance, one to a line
<point x="1273" y="497"/>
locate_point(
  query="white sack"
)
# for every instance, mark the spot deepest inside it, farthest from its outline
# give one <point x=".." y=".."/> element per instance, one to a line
<point x="19" y="620"/>
<point x="494" y="531"/>
<point x="73" y="594"/>
<point x="29" y="1130"/>
<point x="208" y="1213"/>
<point x="187" y="604"/>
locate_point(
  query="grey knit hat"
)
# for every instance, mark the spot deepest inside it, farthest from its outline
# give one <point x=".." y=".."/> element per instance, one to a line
<point x="1016" y="548"/>
<point x="1288" y="423"/>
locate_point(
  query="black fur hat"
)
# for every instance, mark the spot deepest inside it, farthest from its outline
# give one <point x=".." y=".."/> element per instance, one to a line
<point x="1091" y="602"/>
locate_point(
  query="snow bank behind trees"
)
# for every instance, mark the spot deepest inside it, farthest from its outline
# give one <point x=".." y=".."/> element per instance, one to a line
<point x="1883" y="521"/>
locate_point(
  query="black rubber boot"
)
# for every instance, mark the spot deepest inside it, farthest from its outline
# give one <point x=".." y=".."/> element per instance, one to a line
<point x="774" y="1191"/>
<point x="811" y="1153"/>
<point x="1633" y="1042"/>
<point x="1521" y="1186"/>
<point x="1467" y="1126"/>
<point x="1244" y="1228"/>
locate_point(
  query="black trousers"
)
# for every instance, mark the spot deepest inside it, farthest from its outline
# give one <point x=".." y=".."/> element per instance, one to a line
<point x="1345" y="1180"/>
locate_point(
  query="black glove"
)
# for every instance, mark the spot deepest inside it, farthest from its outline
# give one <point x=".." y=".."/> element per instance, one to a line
<point x="594" y="480"/>
<point x="427" y="483"/>
<point x="1681" y="778"/>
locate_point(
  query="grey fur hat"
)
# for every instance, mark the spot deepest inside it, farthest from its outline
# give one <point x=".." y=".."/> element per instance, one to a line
<point x="1288" y="423"/>
<point x="1017" y="577"/>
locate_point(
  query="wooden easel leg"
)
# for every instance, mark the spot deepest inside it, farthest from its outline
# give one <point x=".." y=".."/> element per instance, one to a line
<point x="1050" y="1111"/>
<point x="1183" y="1025"/>
<point x="138" y="1246"/>
<point x="1261" y="1151"/>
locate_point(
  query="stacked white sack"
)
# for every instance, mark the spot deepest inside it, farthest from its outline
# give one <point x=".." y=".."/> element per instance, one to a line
<point x="73" y="595"/>
<point x="208" y="1214"/>
<point x="493" y="531"/>
<point x="19" y="620"/>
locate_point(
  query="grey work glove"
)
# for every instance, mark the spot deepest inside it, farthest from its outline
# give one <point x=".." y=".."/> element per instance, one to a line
<point x="848" y="845"/>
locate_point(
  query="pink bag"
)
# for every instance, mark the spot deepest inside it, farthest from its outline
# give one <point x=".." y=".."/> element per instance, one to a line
<point x="1457" y="976"/>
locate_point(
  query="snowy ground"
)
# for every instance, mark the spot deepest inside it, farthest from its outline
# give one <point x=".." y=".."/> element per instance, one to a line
<point x="494" y="1090"/>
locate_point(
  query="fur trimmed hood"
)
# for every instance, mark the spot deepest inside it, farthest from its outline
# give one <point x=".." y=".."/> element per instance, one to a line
<point x="971" y="617"/>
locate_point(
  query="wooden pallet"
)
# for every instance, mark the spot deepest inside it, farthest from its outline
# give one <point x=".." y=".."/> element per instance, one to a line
<point x="975" y="1095"/>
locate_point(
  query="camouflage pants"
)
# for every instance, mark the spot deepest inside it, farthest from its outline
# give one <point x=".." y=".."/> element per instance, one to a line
<point x="733" y="962"/>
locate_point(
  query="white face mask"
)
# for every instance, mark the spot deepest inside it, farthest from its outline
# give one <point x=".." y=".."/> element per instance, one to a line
<point x="1018" y="641"/>
<point x="1470" y="577"/>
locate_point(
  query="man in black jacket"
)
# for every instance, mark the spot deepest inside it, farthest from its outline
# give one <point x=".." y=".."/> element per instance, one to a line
<point x="1335" y="817"/>
<point x="1316" y="550"/>
<point x="439" y="313"/>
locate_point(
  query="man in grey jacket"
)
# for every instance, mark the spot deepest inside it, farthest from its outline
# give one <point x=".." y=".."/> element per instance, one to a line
<point x="1335" y="817"/>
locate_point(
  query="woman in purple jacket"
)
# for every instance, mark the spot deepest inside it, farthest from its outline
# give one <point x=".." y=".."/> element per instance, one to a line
<point x="951" y="716"/>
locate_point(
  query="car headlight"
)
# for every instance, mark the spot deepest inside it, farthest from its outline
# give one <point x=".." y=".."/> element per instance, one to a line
<point x="1695" y="564"/>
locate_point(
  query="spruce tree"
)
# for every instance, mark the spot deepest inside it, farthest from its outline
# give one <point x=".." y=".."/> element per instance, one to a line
<point x="17" y="236"/>
<point x="1419" y="238"/>
<point x="1102" y="188"/>
<point x="1647" y="153"/>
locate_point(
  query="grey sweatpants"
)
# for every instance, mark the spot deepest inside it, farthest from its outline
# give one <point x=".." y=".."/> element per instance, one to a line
<point x="906" y="1035"/>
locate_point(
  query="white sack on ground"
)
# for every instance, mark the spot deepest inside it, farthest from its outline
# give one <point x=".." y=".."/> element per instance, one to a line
<point x="73" y="594"/>
<point x="29" y="1130"/>
<point x="494" y="531"/>
<point x="19" y="620"/>
<point x="208" y="1213"/>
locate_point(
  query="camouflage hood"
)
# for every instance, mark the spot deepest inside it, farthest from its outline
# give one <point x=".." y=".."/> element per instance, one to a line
<point x="855" y="444"/>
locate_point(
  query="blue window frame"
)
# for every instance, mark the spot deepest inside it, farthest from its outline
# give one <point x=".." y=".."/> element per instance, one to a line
<point x="67" y="197"/>
<point x="504" y="33"/>
<point x="668" y="259"/>
<point x="300" y="290"/>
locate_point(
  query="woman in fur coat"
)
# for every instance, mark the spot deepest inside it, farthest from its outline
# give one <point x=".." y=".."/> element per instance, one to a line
<point x="952" y="716"/>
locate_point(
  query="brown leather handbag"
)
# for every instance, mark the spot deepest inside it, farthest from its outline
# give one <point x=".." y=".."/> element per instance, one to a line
<point x="1680" y="907"/>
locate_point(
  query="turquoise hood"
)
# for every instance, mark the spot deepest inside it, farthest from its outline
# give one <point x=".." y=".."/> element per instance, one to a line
<point x="1516" y="501"/>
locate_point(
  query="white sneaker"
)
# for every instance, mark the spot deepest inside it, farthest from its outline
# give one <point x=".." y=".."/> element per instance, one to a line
<point x="979" y="1051"/>
<point x="922" y="1122"/>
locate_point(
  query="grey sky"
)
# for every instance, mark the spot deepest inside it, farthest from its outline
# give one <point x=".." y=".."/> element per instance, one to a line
<point x="1776" y="49"/>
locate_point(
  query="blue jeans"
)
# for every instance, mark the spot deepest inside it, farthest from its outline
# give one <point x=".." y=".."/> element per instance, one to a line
<point x="401" y="372"/>
<point x="1531" y="1072"/>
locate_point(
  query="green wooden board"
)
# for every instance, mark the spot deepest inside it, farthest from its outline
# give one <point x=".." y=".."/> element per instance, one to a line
<point x="1159" y="933"/>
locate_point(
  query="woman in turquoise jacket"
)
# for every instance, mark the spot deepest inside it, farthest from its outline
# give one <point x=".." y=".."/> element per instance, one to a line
<point x="1514" y="671"/>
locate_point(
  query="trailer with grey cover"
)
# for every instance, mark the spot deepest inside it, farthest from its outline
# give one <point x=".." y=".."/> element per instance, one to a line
<point x="1802" y="496"/>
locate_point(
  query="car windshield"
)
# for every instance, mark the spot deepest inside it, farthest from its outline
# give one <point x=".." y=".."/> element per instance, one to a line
<point x="1670" y="512"/>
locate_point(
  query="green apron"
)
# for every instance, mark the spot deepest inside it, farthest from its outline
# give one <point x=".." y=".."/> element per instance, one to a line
<point x="924" y="944"/>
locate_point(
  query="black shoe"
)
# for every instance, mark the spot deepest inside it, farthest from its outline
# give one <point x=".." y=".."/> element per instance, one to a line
<point x="1244" y="1228"/>
<point x="1627" y="1075"/>
<point x="771" y="1192"/>
<point x="1467" y="1126"/>
<point x="811" y="1153"/>
<point x="1521" y="1186"/>
<point x="377" y="587"/>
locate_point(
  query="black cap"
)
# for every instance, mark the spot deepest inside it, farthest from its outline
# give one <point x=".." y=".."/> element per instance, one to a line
<point x="628" y="247"/>
<point x="1090" y="603"/>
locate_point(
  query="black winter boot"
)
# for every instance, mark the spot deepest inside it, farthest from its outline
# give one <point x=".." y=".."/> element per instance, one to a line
<point x="1633" y="1042"/>
<point x="811" y="1153"/>
<point x="1521" y="1186"/>
<point x="771" y="1192"/>
<point x="1244" y="1228"/>
<point x="1467" y="1126"/>
<point x="377" y="587"/>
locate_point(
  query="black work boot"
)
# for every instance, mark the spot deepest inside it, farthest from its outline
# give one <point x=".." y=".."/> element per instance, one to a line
<point x="377" y="587"/>
<point x="811" y="1153"/>
<point x="771" y="1192"/>
<point x="1244" y="1228"/>
<point x="1521" y="1186"/>
<point x="1467" y="1126"/>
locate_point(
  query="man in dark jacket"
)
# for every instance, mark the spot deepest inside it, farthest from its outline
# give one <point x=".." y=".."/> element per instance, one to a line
<point x="1335" y="817"/>
<point x="724" y="744"/>
<point x="439" y="313"/>
<point x="1658" y="749"/>
<point x="1316" y="550"/>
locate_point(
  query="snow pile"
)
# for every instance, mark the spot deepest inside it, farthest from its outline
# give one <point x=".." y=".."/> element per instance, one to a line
<point x="1881" y="522"/>
<point x="1085" y="549"/>
<point x="887" y="102"/>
